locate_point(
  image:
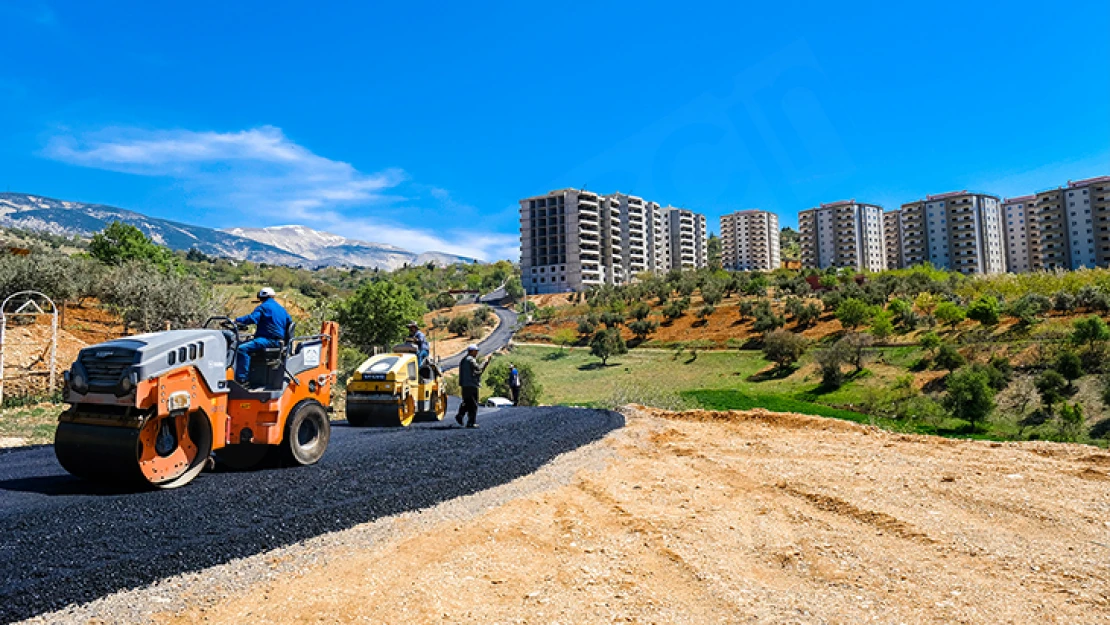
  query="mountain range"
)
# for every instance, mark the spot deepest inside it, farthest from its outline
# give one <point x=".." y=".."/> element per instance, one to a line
<point x="292" y="245"/>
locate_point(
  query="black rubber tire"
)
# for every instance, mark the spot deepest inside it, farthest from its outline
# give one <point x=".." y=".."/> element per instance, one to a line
<point x="307" y="432"/>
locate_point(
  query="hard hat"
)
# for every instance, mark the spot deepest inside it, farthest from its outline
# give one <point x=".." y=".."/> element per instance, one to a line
<point x="472" y="348"/>
<point x="266" y="292"/>
<point x="413" y="324"/>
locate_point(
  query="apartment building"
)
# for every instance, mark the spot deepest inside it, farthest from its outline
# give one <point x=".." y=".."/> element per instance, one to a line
<point x="960" y="231"/>
<point x="1021" y="234"/>
<point x="688" y="238"/>
<point x="842" y="234"/>
<point x="643" y="235"/>
<point x="892" y="239"/>
<point x="1073" y="223"/>
<point x="750" y="241"/>
<point x="561" y="242"/>
<point x="571" y="239"/>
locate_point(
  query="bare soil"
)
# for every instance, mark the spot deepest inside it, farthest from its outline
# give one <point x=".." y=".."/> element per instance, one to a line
<point x="448" y="344"/>
<point x="703" y="517"/>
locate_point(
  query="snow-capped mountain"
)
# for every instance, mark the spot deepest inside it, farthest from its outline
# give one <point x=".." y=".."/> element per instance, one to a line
<point x="286" y="245"/>
<point x="325" y="248"/>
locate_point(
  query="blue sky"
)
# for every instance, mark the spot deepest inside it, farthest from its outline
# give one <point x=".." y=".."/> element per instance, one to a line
<point x="422" y="125"/>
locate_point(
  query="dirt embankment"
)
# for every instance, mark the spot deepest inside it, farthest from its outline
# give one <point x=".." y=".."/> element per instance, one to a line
<point x="743" y="517"/>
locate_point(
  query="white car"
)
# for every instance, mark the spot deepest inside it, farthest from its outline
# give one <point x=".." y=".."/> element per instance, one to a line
<point x="498" y="402"/>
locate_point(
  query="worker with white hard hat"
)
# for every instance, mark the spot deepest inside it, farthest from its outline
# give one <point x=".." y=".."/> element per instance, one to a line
<point x="470" y="380"/>
<point x="271" y="323"/>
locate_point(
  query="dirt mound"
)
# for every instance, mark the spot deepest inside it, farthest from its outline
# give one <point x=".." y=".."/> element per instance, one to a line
<point x="789" y="420"/>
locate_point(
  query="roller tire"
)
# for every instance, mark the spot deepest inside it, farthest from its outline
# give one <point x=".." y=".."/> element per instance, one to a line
<point x="307" y="432"/>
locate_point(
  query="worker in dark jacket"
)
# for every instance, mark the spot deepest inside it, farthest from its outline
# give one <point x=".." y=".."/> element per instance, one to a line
<point x="514" y="384"/>
<point x="416" y="337"/>
<point x="470" y="379"/>
<point x="271" y="322"/>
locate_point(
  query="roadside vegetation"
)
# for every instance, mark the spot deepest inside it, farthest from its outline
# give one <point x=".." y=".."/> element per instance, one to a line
<point x="1008" y="356"/>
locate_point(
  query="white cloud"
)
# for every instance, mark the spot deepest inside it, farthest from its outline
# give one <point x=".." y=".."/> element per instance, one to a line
<point x="268" y="179"/>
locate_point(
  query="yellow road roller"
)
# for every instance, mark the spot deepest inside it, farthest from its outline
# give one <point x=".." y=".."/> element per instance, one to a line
<point x="390" y="390"/>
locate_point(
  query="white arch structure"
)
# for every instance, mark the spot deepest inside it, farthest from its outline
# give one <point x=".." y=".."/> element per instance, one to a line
<point x="35" y="304"/>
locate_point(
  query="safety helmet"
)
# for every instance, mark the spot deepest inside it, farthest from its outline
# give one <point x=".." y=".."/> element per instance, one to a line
<point x="265" y="293"/>
<point x="413" y="324"/>
<point x="472" y="348"/>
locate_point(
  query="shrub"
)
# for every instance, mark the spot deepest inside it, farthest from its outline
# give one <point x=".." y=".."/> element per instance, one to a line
<point x="930" y="341"/>
<point x="1093" y="299"/>
<point x="949" y="313"/>
<point x="1028" y="309"/>
<point x="853" y="313"/>
<point x="586" y="327"/>
<point x="497" y="378"/>
<point x="606" y="344"/>
<point x="854" y="348"/>
<point x="746" y="309"/>
<point x="881" y="326"/>
<point x="1063" y="301"/>
<point x="784" y="348"/>
<point x="441" y="322"/>
<point x="829" y="360"/>
<point x="985" y="310"/>
<point x="459" y="325"/>
<point x="612" y="319"/>
<point x="640" y="311"/>
<point x="808" y="315"/>
<point x="565" y="337"/>
<point x="712" y="293"/>
<point x="444" y="300"/>
<point x="970" y="397"/>
<point x="1089" y="331"/>
<point x="147" y="298"/>
<point x="948" y="357"/>
<point x="641" y="328"/>
<point x="766" y="320"/>
<point x="59" y="277"/>
<point x="705" y="312"/>
<point x="1068" y="365"/>
<point x="1050" y="385"/>
<point x="675" y="309"/>
<point x="483" y="315"/>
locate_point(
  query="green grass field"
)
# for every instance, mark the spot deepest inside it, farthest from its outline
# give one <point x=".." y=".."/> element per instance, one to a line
<point x="719" y="380"/>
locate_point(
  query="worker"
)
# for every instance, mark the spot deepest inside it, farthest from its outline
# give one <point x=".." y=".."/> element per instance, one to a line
<point x="417" y="338"/>
<point x="271" y="323"/>
<point x="514" y="384"/>
<point x="470" y="379"/>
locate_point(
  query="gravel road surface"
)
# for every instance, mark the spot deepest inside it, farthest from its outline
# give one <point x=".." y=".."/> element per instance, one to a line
<point x="495" y="341"/>
<point x="65" y="541"/>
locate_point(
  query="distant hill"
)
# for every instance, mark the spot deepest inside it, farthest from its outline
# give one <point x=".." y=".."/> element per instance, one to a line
<point x="284" y="245"/>
<point x="324" y="248"/>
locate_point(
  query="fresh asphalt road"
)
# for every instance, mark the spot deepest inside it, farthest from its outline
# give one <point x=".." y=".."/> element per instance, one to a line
<point x="495" y="341"/>
<point x="63" y="540"/>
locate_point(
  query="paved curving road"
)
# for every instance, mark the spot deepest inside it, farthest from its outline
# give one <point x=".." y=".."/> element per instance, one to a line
<point x="495" y="341"/>
<point x="64" y="541"/>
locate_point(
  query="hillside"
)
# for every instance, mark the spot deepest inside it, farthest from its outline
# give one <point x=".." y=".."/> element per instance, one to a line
<point x="703" y="517"/>
<point x="295" y="246"/>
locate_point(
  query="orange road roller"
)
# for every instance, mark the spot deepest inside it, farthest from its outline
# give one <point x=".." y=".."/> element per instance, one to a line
<point x="390" y="390"/>
<point x="153" y="409"/>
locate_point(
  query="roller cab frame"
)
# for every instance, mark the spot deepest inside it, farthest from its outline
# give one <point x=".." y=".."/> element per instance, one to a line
<point x="152" y="409"/>
<point x="390" y="390"/>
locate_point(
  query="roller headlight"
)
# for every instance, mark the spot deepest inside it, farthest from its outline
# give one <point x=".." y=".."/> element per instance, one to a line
<point x="77" y="379"/>
<point x="127" y="383"/>
<point x="178" y="401"/>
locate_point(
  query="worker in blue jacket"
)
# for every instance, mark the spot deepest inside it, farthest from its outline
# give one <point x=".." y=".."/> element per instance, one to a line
<point x="271" y="323"/>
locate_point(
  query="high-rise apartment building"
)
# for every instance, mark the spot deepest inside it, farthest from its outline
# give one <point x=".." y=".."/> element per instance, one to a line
<point x="643" y="237"/>
<point x="892" y="239"/>
<point x="1074" y="224"/>
<point x="561" y="242"/>
<point x="842" y="234"/>
<point x="750" y="241"/>
<point x="1021" y="234"/>
<point x="688" y="238"/>
<point x="571" y="240"/>
<point x="960" y="231"/>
